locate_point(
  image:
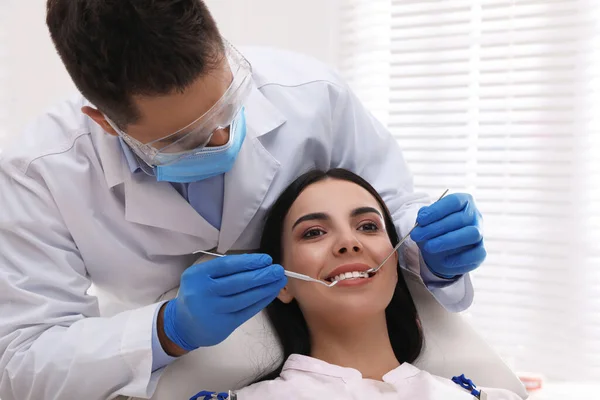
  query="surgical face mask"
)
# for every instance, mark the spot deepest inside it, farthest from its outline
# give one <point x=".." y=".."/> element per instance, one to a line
<point x="206" y="162"/>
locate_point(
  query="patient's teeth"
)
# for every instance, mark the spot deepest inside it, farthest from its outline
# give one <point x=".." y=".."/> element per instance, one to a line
<point x="350" y="275"/>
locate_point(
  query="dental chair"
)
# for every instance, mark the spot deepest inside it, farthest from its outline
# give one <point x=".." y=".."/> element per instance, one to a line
<point x="452" y="347"/>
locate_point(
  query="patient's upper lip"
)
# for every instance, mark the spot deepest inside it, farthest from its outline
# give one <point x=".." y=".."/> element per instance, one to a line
<point x="347" y="268"/>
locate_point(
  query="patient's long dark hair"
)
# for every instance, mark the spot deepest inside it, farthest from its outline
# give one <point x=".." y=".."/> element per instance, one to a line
<point x="287" y="320"/>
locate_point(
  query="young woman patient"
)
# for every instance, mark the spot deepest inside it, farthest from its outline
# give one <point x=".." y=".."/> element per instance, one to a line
<point x="356" y="340"/>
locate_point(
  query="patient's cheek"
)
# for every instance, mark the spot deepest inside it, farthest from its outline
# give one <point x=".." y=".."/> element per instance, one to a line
<point x="306" y="258"/>
<point x="383" y="250"/>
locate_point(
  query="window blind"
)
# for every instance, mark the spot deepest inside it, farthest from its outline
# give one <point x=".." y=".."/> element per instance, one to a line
<point x="3" y="74"/>
<point x="500" y="98"/>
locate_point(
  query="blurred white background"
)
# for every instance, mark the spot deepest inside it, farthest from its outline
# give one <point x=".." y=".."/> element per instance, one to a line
<point x="500" y="98"/>
<point x="32" y="77"/>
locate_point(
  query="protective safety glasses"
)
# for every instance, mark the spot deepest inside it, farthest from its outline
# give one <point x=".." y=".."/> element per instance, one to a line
<point x="198" y="134"/>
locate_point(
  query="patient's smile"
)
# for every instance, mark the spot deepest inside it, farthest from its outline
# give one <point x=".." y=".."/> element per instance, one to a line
<point x="350" y="275"/>
<point x="344" y="281"/>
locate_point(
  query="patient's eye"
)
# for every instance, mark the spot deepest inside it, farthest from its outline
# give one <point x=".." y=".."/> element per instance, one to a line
<point x="369" y="227"/>
<point x="312" y="233"/>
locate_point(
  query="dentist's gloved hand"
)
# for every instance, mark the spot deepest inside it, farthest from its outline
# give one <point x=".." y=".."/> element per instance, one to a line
<point x="217" y="296"/>
<point x="449" y="236"/>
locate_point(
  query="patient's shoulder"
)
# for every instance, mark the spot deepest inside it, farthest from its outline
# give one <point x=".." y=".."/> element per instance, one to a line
<point x="492" y="393"/>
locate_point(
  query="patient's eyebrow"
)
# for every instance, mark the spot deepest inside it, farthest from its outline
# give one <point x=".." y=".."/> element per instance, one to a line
<point x="364" y="210"/>
<point x="311" y="217"/>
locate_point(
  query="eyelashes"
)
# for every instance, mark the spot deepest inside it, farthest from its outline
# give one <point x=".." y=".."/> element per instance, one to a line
<point x="373" y="227"/>
<point x="312" y="233"/>
<point x="366" y="227"/>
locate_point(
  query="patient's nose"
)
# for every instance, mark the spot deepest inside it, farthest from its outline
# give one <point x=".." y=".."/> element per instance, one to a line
<point x="344" y="250"/>
<point x="349" y="244"/>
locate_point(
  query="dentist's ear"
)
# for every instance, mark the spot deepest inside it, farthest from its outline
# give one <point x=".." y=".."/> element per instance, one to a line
<point x="99" y="118"/>
<point x="285" y="296"/>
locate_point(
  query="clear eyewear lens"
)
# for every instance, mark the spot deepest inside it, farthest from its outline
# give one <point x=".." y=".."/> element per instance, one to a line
<point x="220" y="116"/>
<point x="200" y="136"/>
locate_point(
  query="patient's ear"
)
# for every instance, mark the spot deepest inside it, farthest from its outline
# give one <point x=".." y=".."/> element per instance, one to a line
<point x="285" y="296"/>
<point x="396" y="263"/>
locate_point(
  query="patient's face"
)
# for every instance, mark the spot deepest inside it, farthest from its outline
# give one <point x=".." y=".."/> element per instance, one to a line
<point x="334" y="231"/>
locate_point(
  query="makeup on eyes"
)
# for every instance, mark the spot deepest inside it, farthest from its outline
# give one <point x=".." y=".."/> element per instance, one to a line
<point x="322" y="216"/>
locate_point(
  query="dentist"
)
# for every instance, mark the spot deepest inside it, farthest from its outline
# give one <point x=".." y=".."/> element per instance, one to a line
<point x="178" y="142"/>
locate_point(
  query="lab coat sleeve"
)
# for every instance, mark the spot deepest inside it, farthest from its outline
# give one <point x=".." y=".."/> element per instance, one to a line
<point x="53" y="344"/>
<point x="363" y="145"/>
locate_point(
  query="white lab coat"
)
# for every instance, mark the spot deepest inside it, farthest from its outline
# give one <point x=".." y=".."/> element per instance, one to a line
<point x="72" y="214"/>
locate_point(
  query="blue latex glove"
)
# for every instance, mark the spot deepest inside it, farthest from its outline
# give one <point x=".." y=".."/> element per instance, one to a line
<point x="206" y="395"/>
<point x="217" y="296"/>
<point x="449" y="236"/>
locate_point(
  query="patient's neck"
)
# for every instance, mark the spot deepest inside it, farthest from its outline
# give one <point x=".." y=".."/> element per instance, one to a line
<point x="364" y="346"/>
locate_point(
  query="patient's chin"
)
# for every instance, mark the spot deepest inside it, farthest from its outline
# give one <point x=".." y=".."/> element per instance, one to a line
<point x="347" y="304"/>
<point x="348" y="310"/>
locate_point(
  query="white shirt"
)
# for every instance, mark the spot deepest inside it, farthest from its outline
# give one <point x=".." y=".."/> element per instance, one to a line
<point x="73" y="214"/>
<point x="307" y="378"/>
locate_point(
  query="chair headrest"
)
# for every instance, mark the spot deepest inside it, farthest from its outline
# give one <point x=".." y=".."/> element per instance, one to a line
<point x="453" y="347"/>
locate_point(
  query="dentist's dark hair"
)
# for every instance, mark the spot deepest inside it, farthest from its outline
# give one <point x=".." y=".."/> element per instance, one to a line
<point x="117" y="49"/>
<point x="404" y="328"/>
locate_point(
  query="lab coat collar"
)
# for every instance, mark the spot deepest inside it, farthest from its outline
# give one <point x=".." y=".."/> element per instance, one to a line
<point x="247" y="183"/>
<point x="111" y="156"/>
<point x="261" y="115"/>
<point x="309" y="364"/>
<point x="158" y="204"/>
